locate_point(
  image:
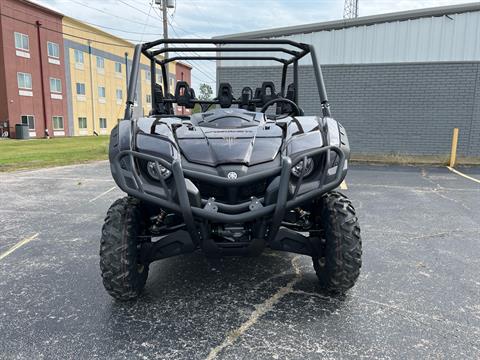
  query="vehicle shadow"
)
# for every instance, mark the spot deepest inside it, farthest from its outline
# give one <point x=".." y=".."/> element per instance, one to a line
<point x="199" y="291"/>
<point x="191" y="303"/>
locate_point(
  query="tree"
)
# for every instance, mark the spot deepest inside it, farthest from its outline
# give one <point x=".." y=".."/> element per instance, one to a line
<point x="205" y="92"/>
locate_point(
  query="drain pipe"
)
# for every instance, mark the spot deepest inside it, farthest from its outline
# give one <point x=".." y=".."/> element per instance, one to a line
<point x="91" y="86"/>
<point x="126" y="69"/>
<point x="44" y="107"/>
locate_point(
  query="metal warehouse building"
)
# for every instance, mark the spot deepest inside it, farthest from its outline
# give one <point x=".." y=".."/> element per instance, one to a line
<point x="398" y="82"/>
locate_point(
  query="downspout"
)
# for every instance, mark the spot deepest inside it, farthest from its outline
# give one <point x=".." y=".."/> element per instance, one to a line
<point x="91" y="86"/>
<point x="126" y="70"/>
<point x="44" y="107"/>
<point x="126" y="74"/>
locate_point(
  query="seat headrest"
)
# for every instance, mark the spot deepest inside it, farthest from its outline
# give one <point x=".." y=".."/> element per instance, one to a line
<point x="268" y="91"/>
<point x="246" y="97"/>
<point x="225" y="95"/>
<point x="158" y="90"/>
<point x="183" y="95"/>
<point x="158" y="104"/>
<point x="291" y="92"/>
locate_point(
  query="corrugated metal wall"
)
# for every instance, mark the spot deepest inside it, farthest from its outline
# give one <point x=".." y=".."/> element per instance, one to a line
<point x="452" y="38"/>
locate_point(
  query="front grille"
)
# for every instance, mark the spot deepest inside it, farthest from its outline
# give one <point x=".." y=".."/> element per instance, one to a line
<point x="255" y="189"/>
<point x="232" y="195"/>
<point x="209" y="190"/>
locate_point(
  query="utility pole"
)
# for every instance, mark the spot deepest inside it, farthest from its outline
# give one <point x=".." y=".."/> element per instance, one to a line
<point x="165" y="25"/>
<point x="164" y="6"/>
<point x="350" y="9"/>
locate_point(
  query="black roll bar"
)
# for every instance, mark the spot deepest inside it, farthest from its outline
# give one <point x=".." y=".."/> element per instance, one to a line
<point x="175" y="58"/>
<point x="320" y="83"/>
<point x="132" y="86"/>
<point x="216" y="49"/>
<point x="152" y="44"/>
<point x="300" y="50"/>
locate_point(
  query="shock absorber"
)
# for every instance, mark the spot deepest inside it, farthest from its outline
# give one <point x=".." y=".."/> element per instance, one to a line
<point x="303" y="218"/>
<point x="157" y="222"/>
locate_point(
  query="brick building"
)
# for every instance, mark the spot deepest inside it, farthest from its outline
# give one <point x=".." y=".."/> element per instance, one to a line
<point x="182" y="73"/>
<point x="63" y="77"/>
<point x="398" y="82"/>
<point x="32" y="72"/>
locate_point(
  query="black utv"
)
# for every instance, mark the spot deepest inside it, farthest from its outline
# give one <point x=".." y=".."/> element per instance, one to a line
<point x="249" y="171"/>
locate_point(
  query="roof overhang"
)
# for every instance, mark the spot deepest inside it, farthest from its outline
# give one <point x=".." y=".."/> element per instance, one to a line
<point x="361" y="21"/>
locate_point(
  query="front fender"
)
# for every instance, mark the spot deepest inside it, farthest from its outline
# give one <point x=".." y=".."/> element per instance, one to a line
<point x="120" y="140"/>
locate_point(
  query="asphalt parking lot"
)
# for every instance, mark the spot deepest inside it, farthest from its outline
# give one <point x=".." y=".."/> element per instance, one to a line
<point x="418" y="295"/>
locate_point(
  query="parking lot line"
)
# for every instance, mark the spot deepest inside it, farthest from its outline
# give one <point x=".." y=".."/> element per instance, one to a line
<point x="102" y="194"/>
<point x="343" y="185"/>
<point x="64" y="178"/>
<point x="260" y="310"/>
<point x="18" y="245"/>
<point x="462" y="174"/>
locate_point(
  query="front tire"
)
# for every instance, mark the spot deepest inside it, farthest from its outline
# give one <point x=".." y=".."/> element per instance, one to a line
<point x="340" y="259"/>
<point x="123" y="275"/>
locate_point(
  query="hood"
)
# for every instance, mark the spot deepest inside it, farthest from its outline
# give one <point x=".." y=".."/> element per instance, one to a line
<point x="229" y="137"/>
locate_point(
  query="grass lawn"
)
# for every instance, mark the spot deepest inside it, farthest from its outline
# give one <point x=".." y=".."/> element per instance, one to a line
<point x="39" y="153"/>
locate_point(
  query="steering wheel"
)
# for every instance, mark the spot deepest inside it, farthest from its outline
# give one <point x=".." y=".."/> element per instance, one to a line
<point x="296" y="109"/>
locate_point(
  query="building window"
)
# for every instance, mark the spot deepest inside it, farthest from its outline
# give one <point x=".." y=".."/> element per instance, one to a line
<point x="80" y="89"/>
<point x="57" y="122"/>
<point x="21" y="42"/>
<point x="82" y="122"/>
<point x="101" y="91"/>
<point x="148" y="75"/>
<point x="55" y="85"/>
<point x="53" y="50"/>
<point x="29" y="120"/>
<point x="118" y="68"/>
<point x="78" y="56"/>
<point x="103" y="123"/>
<point x="149" y="99"/>
<point x="100" y="62"/>
<point x="24" y="81"/>
<point x="119" y="94"/>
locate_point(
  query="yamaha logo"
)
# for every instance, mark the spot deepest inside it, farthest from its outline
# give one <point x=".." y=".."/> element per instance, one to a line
<point x="232" y="175"/>
<point x="230" y="140"/>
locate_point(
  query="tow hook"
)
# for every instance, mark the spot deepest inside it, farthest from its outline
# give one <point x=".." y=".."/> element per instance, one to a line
<point x="254" y="204"/>
<point x="210" y="205"/>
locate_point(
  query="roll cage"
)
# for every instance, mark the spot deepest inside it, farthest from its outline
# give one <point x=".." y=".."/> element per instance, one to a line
<point x="286" y="52"/>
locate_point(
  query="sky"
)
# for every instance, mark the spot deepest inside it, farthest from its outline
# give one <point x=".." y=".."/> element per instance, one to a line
<point x="140" y="20"/>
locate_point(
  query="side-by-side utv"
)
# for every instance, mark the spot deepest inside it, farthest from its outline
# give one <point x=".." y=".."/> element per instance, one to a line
<point x="249" y="171"/>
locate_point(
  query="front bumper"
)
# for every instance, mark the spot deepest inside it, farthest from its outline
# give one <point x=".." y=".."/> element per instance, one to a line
<point x="184" y="198"/>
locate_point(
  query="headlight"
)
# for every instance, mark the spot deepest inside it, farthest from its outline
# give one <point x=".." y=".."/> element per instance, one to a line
<point x="153" y="171"/>
<point x="297" y="169"/>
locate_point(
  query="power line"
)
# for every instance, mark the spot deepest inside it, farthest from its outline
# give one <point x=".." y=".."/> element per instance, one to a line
<point x="196" y="67"/>
<point x="109" y="28"/>
<point x="104" y="42"/>
<point x="183" y="30"/>
<point x="70" y="26"/>
<point x="146" y="22"/>
<point x="105" y="12"/>
<point x="135" y="8"/>
<point x="101" y="42"/>
<point x="203" y="80"/>
<point x="64" y="33"/>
